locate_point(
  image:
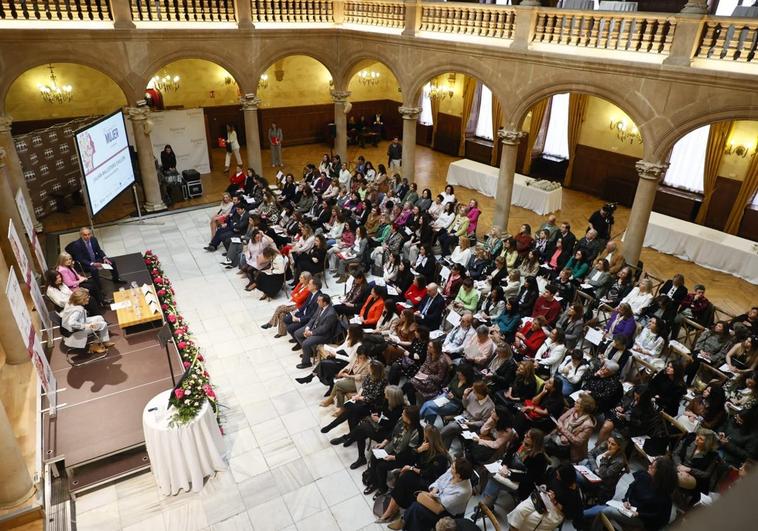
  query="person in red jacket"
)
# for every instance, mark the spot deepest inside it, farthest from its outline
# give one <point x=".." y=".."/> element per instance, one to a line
<point x="529" y="338"/>
<point x="547" y="306"/>
<point x="372" y="309"/>
<point x="298" y="297"/>
<point x="236" y="181"/>
<point x="413" y="295"/>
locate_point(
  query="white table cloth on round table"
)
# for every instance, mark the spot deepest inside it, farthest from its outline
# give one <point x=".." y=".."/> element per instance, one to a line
<point x="182" y="455"/>
<point x="483" y="178"/>
<point x="705" y="246"/>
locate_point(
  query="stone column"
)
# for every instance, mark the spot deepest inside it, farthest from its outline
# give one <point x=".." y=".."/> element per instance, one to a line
<point x="16" y="486"/>
<point x="650" y="174"/>
<point x="339" y="97"/>
<point x="696" y="7"/>
<point x="142" y="126"/>
<point x="412" y="17"/>
<point x="9" y="210"/>
<point x="338" y="11"/>
<point x="244" y="14"/>
<point x="13" y="167"/>
<point x="252" y="135"/>
<point x="122" y="14"/>
<point x="410" y="118"/>
<point x="506" y="176"/>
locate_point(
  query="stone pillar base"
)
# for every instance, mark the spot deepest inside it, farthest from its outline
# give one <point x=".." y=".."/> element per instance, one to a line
<point x="154" y="207"/>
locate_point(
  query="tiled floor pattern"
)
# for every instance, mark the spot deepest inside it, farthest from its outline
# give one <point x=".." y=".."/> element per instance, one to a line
<point x="283" y="473"/>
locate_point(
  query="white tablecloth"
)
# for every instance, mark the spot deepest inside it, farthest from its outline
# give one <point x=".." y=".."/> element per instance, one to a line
<point x="483" y="178"/>
<point x="705" y="246"/>
<point x="618" y="6"/>
<point x="182" y="455"/>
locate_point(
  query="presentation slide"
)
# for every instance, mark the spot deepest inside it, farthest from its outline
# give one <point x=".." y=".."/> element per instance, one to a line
<point x="105" y="161"/>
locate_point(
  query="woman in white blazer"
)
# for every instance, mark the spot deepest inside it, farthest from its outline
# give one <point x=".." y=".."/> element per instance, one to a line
<point x="74" y="319"/>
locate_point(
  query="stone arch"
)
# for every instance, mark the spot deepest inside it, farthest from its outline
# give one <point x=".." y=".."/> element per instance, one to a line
<point x="675" y="133"/>
<point x="422" y="77"/>
<point x="349" y="67"/>
<point x="236" y="71"/>
<point x="262" y="64"/>
<point x="111" y="71"/>
<point x="639" y="115"/>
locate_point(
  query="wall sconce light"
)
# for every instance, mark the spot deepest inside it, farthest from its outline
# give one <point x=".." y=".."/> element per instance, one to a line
<point x="263" y="82"/>
<point x="740" y="150"/>
<point x="229" y="80"/>
<point x="625" y="133"/>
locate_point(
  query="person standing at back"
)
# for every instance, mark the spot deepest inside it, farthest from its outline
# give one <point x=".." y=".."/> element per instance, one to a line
<point x="275" y="138"/>
<point x="232" y="146"/>
<point x="395" y="154"/>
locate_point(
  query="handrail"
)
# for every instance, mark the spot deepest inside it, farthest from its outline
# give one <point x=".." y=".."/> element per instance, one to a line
<point x="385" y="13"/>
<point x="609" y="30"/>
<point x="292" y="11"/>
<point x="55" y="10"/>
<point x="728" y="39"/>
<point x="467" y="19"/>
<point x="183" y="10"/>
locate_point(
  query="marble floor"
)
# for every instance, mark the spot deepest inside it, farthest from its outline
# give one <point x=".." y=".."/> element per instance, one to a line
<point x="283" y="473"/>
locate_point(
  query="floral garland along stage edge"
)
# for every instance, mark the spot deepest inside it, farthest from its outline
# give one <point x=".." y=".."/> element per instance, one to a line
<point x="195" y="387"/>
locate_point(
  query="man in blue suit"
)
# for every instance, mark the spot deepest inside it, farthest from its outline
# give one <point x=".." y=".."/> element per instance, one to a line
<point x="299" y="318"/>
<point x="91" y="256"/>
<point x="430" y="308"/>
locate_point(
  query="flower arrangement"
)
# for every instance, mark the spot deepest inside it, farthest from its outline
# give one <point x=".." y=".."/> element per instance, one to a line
<point x="195" y="387"/>
<point x="542" y="184"/>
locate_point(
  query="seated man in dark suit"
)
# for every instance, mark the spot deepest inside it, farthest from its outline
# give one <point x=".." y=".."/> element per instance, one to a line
<point x="430" y="308"/>
<point x="236" y="225"/>
<point x="299" y="318"/>
<point x="91" y="256"/>
<point x="318" y="331"/>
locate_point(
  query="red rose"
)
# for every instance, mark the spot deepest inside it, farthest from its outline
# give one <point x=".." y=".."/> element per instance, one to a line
<point x="186" y="364"/>
<point x="147" y="261"/>
<point x="200" y="357"/>
<point x="171" y="318"/>
<point x="182" y="345"/>
<point x="179" y="393"/>
<point x="164" y="306"/>
<point x="161" y="292"/>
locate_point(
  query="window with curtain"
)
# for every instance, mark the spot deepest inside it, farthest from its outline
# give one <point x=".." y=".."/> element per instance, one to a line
<point x="687" y="161"/>
<point x="556" y="140"/>
<point x="484" y="120"/>
<point x="726" y="7"/>
<point x="425" y="118"/>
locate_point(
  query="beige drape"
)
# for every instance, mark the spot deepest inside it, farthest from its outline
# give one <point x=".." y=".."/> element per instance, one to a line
<point x="748" y="189"/>
<point x="714" y="152"/>
<point x="577" y="109"/>
<point x="469" y="92"/>
<point x="497" y="119"/>
<point x="538" y="115"/>
<point x="435" y="105"/>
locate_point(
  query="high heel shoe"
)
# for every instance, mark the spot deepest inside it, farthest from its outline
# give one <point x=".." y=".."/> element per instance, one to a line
<point x="305" y="379"/>
<point x="338" y="440"/>
<point x="359" y="463"/>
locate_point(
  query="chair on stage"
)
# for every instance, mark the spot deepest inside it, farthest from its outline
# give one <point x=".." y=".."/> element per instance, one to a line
<point x="76" y="356"/>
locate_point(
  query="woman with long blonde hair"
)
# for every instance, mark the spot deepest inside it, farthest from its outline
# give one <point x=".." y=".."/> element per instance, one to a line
<point x="74" y="320"/>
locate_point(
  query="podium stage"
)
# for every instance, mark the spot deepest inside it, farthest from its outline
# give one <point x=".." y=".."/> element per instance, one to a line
<point x="98" y="428"/>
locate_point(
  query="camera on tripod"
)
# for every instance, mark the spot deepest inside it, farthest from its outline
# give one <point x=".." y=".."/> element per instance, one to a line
<point x="610" y="207"/>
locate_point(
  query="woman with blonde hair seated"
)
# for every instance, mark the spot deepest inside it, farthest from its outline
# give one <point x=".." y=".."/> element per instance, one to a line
<point x="73" y="280"/>
<point x="573" y="430"/>
<point x="79" y="326"/>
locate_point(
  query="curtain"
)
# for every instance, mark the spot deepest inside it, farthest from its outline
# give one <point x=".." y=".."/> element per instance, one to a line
<point x="483" y="127"/>
<point x="748" y="189"/>
<point x="538" y="116"/>
<point x="577" y="109"/>
<point x="687" y="161"/>
<point x="435" y="103"/>
<point x="469" y="91"/>
<point x="497" y="120"/>
<point x="714" y="152"/>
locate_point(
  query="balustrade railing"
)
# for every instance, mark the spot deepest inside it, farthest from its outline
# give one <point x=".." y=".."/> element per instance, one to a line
<point x="467" y="19"/>
<point x="183" y="10"/>
<point x="635" y="32"/>
<point x="387" y="14"/>
<point x="729" y="39"/>
<point x="73" y="10"/>
<point x="292" y="10"/>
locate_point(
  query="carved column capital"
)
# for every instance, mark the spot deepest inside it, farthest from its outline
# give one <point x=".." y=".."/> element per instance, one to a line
<point x="2" y="156"/>
<point x="696" y="7"/>
<point x="250" y="102"/>
<point x="651" y="171"/>
<point x="138" y="114"/>
<point x="409" y="113"/>
<point x="5" y="123"/>
<point x="512" y="138"/>
<point x="340" y="96"/>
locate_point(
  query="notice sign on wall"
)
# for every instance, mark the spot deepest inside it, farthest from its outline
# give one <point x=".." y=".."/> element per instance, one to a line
<point x="27" y="276"/>
<point x="26" y="219"/>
